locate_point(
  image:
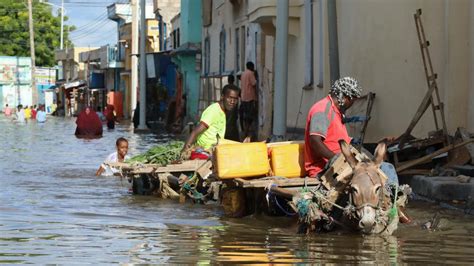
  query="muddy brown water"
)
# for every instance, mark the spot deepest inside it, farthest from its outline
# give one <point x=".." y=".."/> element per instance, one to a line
<point x="54" y="210"/>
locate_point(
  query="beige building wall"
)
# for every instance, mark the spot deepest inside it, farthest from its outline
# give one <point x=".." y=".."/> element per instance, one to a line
<point x="298" y="100"/>
<point x="470" y="117"/>
<point x="378" y="45"/>
<point x="222" y="20"/>
<point x="69" y="58"/>
<point x="153" y="35"/>
<point x="167" y="9"/>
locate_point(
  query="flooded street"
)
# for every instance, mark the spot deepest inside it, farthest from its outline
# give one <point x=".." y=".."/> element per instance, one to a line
<point x="54" y="210"/>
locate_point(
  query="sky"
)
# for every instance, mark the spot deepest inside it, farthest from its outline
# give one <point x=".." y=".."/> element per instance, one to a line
<point x="93" y="28"/>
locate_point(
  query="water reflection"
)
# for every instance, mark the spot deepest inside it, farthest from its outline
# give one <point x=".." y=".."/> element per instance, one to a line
<point x="54" y="210"/>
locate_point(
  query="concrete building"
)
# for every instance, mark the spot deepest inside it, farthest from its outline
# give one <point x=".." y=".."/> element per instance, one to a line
<point x="165" y="10"/>
<point x="15" y="81"/>
<point x="377" y="44"/>
<point x="235" y="32"/>
<point x="103" y="67"/>
<point x="70" y="67"/>
<point x="121" y="13"/>
<point x="187" y="28"/>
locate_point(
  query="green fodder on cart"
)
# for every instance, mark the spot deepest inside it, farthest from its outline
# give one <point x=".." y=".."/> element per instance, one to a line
<point x="162" y="154"/>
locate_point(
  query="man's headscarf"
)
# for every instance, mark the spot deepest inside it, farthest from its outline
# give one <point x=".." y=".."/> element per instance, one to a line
<point x="345" y="87"/>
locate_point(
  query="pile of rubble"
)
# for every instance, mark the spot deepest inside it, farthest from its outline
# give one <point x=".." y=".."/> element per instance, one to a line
<point x="439" y="168"/>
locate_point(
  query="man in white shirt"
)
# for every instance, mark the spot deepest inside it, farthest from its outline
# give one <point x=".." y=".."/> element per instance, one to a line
<point x="41" y="114"/>
<point x="20" y="114"/>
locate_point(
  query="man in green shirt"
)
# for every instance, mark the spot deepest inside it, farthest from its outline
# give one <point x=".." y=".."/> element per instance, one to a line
<point x="213" y="120"/>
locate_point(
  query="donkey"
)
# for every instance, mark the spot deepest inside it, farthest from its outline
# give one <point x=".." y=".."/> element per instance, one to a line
<point x="366" y="188"/>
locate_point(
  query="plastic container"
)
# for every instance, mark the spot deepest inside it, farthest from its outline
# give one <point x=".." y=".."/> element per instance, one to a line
<point x="287" y="160"/>
<point x="241" y="160"/>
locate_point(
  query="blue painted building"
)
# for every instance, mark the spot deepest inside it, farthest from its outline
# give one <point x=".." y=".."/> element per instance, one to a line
<point x="186" y="38"/>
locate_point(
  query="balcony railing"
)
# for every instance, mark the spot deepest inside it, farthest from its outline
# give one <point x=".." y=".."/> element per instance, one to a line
<point x="115" y="58"/>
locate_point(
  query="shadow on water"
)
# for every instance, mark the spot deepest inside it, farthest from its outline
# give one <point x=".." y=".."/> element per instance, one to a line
<point x="54" y="210"/>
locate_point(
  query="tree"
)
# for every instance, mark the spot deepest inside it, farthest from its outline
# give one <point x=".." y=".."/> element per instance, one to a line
<point x="14" y="34"/>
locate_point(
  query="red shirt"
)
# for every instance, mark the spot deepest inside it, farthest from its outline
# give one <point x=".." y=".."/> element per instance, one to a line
<point x="325" y="120"/>
<point x="33" y="113"/>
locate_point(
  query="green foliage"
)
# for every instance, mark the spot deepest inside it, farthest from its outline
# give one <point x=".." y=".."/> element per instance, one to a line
<point x="162" y="154"/>
<point x="14" y="31"/>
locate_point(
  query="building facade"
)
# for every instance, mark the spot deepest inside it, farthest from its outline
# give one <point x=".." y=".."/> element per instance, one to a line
<point x="376" y="42"/>
<point x="165" y="11"/>
<point x="15" y="81"/>
<point x="70" y="67"/>
<point x="187" y="28"/>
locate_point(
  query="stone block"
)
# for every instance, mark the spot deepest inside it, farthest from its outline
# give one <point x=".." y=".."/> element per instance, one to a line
<point x="464" y="169"/>
<point x="443" y="188"/>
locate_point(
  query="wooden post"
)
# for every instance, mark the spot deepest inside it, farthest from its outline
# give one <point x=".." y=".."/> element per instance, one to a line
<point x="32" y="52"/>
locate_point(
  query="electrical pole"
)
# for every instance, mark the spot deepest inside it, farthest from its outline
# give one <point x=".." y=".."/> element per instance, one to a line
<point x="143" y="34"/>
<point x="62" y="23"/>
<point x="134" y="81"/>
<point x="32" y="51"/>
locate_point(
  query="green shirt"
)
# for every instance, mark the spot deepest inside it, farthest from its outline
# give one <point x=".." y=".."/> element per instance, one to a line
<point x="214" y="118"/>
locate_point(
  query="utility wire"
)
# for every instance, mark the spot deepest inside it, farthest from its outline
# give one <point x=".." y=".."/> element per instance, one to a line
<point x="92" y="29"/>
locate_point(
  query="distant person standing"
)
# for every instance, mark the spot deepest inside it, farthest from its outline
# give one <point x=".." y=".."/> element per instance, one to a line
<point x="27" y="112"/>
<point x="110" y="116"/>
<point x="53" y="109"/>
<point x="20" y="114"/>
<point x="33" y="112"/>
<point x="100" y="114"/>
<point x="232" y="129"/>
<point x="248" y="104"/>
<point x="41" y="114"/>
<point x="7" y="111"/>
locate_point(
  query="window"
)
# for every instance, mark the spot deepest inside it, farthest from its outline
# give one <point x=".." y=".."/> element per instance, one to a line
<point x="255" y="48"/>
<point x="237" y="50"/>
<point x="206" y="13"/>
<point x="222" y="51"/>
<point x="242" y="49"/>
<point x="207" y="51"/>
<point x="177" y="38"/>
<point x="174" y="39"/>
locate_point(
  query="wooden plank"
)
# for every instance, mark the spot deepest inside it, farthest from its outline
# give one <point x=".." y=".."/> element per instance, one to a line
<point x="470" y="147"/>
<point x="419" y="113"/>
<point x="205" y="169"/>
<point x="144" y="170"/>
<point x="185" y="166"/>
<point x="281" y="182"/>
<point x="415" y="172"/>
<point x="128" y="165"/>
<point x="432" y="155"/>
<point x="240" y="181"/>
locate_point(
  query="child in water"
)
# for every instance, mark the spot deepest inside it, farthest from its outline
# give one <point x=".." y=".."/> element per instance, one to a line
<point x="119" y="156"/>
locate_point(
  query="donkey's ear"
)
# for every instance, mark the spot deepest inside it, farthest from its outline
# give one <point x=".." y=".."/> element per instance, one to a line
<point x="346" y="151"/>
<point x="380" y="152"/>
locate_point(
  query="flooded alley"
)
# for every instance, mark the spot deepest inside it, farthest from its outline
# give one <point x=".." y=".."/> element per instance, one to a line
<point x="54" y="210"/>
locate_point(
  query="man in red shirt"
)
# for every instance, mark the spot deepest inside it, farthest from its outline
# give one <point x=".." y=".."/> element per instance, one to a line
<point x="325" y="126"/>
<point x="33" y="112"/>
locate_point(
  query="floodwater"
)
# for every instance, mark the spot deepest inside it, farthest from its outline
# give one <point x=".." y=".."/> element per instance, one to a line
<point x="54" y="210"/>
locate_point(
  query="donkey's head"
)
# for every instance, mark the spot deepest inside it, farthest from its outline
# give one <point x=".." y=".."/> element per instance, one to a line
<point x="366" y="187"/>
